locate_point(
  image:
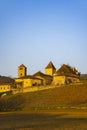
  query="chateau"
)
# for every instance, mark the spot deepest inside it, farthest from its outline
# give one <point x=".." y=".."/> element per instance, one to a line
<point x="64" y="75"/>
<point x="37" y="79"/>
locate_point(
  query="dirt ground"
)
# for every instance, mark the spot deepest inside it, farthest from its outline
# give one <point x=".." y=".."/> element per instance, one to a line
<point x="44" y="120"/>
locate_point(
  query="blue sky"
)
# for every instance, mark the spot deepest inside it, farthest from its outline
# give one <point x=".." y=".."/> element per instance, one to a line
<point x="34" y="32"/>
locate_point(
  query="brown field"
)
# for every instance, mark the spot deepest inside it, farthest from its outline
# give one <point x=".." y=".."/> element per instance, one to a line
<point x="44" y="120"/>
<point x="64" y="97"/>
<point x="61" y="108"/>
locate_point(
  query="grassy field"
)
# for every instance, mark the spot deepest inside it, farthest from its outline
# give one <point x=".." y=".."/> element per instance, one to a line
<point x="44" y="120"/>
<point x="60" y="108"/>
<point x="74" y="95"/>
<point x="65" y="97"/>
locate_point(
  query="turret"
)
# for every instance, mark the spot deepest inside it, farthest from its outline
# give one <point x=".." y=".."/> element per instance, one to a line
<point x="50" y="69"/>
<point x="22" y="71"/>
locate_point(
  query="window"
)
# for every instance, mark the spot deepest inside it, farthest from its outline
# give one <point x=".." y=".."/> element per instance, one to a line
<point x="21" y="68"/>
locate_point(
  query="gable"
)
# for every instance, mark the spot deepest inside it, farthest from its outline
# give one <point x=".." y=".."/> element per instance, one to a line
<point x="50" y="66"/>
<point x="66" y="70"/>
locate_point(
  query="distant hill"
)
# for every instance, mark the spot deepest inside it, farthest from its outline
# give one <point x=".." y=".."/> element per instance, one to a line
<point x="83" y="76"/>
<point x="6" y="80"/>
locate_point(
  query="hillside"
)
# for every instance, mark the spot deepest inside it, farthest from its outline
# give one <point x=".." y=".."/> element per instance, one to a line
<point x="67" y="96"/>
<point x="6" y="80"/>
<point x="74" y="95"/>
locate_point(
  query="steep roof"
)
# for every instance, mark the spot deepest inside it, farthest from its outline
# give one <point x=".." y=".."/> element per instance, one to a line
<point x="39" y="73"/>
<point x="22" y="65"/>
<point x="66" y="70"/>
<point x="50" y="65"/>
<point x="28" y="77"/>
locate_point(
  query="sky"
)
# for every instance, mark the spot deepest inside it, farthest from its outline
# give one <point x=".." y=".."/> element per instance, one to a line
<point x="35" y="32"/>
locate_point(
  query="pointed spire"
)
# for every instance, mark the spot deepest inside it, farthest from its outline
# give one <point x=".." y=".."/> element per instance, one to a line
<point x="50" y="65"/>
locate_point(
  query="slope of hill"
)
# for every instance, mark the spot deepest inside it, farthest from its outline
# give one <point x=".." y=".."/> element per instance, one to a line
<point x="67" y="96"/>
<point x="5" y="80"/>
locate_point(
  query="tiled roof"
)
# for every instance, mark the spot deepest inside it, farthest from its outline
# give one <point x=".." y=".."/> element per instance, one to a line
<point x="22" y="65"/>
<point x="50" y="65"/>
<point x="39" y="73"/>
<point x="66" y="70"/>
<point x="28" y="77"/>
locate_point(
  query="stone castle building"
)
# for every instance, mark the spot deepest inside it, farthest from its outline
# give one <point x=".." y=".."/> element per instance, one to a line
<point x="64" y="75"/>
<point x="37" y="79"/>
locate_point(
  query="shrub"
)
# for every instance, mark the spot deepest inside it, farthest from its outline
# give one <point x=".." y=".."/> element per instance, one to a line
<point x="11" y="103"/>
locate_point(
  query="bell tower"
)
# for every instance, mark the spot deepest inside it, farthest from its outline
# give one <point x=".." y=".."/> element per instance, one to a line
<point x="22" y="71"/>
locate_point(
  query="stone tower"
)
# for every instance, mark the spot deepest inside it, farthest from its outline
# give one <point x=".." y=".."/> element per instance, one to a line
<point x="22" y="71"/>
<point x="50" y="69"/>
